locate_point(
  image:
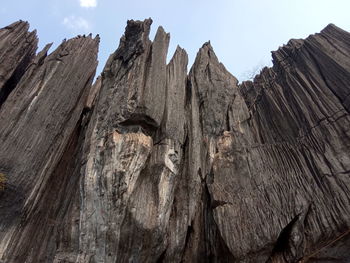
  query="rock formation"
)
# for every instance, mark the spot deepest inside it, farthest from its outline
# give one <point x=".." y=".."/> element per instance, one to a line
<point x="18" y="48"/>
<point x="151" y="164"/>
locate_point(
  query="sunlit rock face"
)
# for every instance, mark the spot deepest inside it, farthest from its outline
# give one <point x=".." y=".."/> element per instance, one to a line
<point x="153" y="163"/>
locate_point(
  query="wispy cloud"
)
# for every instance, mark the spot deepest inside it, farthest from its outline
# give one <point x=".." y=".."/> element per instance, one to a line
<point x="76" y="24"/>
<point x="88" y="3"/>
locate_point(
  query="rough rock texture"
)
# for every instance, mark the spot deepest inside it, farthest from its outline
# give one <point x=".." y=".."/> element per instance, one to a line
<point x="151" y="164"/>
<point x="17" y="49"/>
<point x="38" y="120"/>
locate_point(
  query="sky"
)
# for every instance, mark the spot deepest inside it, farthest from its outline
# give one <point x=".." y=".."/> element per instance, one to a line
<point x="242" y="32"/>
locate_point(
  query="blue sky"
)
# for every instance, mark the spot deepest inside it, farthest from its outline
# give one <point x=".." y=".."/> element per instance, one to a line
<point x="242" y="32"/>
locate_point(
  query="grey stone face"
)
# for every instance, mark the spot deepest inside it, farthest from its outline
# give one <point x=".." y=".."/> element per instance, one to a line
<point x="155" y="164"/>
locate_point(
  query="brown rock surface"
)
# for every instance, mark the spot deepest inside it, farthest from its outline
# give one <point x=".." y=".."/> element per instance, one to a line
<point x="17" y="49"/>
<point x="152" y="164"/>
<point x="38" y="120"/>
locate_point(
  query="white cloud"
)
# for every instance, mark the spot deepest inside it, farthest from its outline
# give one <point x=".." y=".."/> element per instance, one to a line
<point x="76" y="24"/>
<point x="88" y="3"/>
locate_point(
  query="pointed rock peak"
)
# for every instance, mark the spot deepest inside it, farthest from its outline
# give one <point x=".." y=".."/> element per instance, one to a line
<point x="292" y="43"/>
<point x="333" y="32"/>
<point x="332" y="28"/>
<point x="286" y="51"/>
<point x="295" y="42"/>
<point x="134" y="40"/>
<point x="96" y="38"/>
<point x="209" y="50"/>
<point x="207" y="44"/>
<point x="161" y="34"/>
<point x="19" y="24"/>
<point x="137" y="28"/>
<point x="45" y="49"/>
<point x="147" y="22"/>
<point x="73" y="46"/>
<point x="207" y="64"/>
<point x="205" y="54"/>
<point x="160" y="30"/>
<point x="179" y="53"/>
<point x="180" y="50"/>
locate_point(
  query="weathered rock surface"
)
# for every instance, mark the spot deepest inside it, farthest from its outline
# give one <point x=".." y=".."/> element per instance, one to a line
<point x="17" y="49"/>
<point x="151" y="164"/>
<point x="38" y="120"/>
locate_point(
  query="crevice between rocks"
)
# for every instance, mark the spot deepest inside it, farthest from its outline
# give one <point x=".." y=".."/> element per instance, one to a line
<point x="139" y="123"/>
<point x="12" y="82"/>
<point x="283" y="241"/>
<point x="217" y="248"/>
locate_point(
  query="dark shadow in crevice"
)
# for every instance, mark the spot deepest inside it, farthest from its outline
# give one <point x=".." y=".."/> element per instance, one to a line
<point x="12" y="82"/>
<point x="217" y="249"/>
<point x="162" y="257"/>
<point x="283" y="239"/>
<point x="282" y="244"/>
<point x="139" y="123"/>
